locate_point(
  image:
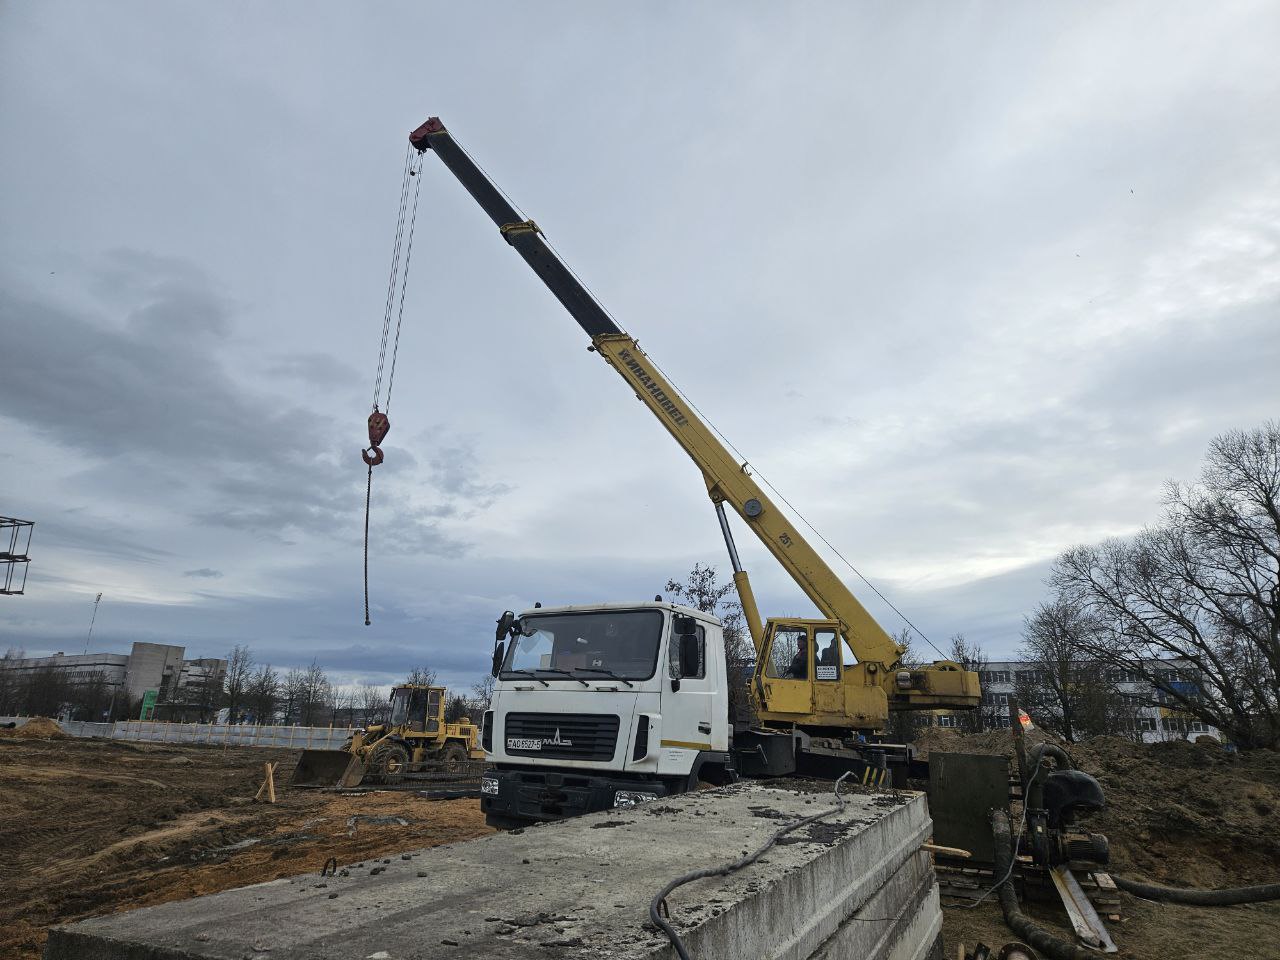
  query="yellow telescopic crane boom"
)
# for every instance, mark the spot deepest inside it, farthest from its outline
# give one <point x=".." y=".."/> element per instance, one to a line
<point x="801" y="676"/>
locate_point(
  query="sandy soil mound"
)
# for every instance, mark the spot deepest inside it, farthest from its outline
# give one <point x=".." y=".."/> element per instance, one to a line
<point x="37" y="727"/>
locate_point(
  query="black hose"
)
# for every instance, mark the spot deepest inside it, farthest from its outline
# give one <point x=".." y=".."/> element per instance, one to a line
<point x="1034" y="784"/>
<point x="1014" y="918"/>
<point x="1199" y="897"/>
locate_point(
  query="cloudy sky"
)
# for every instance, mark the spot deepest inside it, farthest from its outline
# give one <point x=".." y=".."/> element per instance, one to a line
<point x="967" y="282"/>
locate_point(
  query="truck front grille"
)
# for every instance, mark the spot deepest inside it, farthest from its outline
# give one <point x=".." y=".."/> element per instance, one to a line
<point x="564" y="736"/>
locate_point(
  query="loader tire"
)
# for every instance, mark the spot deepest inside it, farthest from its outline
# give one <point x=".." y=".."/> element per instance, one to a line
<point x="453" y="757"/>
<point x="389" y="762"/>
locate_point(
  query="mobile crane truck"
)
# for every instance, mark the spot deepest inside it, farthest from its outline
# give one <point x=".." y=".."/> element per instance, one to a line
<point x="615" y="704"/>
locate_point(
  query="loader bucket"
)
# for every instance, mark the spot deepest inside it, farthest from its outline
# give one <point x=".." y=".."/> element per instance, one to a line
<point x="328" y="768"/>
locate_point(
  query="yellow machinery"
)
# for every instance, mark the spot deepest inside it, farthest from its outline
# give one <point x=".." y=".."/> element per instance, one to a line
<point x="803" y="680"/>
<point x="415" y="740"/>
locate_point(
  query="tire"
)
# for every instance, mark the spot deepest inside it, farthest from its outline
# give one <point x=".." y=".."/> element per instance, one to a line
<point x="453" y="756"/>
<point x="389" y="762"/>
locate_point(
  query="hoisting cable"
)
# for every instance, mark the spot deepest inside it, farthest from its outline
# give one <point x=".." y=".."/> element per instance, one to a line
<point x="379" y="425"/>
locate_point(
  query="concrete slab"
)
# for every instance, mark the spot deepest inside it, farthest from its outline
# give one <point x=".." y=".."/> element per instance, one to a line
<point x="854" y="885"/>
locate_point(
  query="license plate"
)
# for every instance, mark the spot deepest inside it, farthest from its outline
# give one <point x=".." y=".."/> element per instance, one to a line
<point x="518" y="743"/>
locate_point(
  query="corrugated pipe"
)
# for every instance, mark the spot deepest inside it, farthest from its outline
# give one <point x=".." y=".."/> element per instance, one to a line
<point x="1199" y="897"/>
<point x="1014" y="918"/>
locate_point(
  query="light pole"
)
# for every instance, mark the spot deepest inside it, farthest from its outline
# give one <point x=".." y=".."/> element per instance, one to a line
<point x="91" y="620"/>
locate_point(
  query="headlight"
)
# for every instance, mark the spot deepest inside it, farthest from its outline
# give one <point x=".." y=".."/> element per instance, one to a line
<point x="629" y="798"/>
<point x="489" y="785"/>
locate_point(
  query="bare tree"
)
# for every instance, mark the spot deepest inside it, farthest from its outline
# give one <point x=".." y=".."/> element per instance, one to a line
<point x="345" y="704"/>
<point x="89" y="694"/>
<point x="422" y="676"/>
<point x="456" y="708"/>
<point x="703" y="591"/>
<point x="311" y="694"/>
<point x="239" y="670"/>
<point x="9" y="681"/>
<point x="483" y="690"/>
<point x="1066" y="690"/>
<point x="45" y="691"/>
<point x="968" y="653"/>
<point x="373" y="703"/>
<point x="262" y="691"/>
<point x="1202" y="588"/>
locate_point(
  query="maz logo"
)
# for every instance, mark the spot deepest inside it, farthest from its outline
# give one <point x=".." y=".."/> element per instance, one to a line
<point x="556" y="741"/>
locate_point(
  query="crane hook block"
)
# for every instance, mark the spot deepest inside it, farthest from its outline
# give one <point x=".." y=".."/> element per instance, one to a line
<point x="378" y="427"/>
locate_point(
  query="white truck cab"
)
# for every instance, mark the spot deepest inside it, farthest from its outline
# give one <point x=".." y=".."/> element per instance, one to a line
<point x="600" y="706"/>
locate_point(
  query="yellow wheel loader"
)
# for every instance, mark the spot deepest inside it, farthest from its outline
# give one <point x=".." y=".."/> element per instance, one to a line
<point x="415" y="741"/>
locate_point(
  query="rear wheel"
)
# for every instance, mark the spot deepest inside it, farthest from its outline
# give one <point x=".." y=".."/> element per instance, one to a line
<point x="453" y="757"/>
<point x="389" y="762"/>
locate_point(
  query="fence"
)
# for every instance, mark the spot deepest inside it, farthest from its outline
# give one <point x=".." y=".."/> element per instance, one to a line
<point x="218" y="734"/>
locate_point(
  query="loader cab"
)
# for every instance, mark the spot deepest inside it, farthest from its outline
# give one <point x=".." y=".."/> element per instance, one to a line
<point x="417" y="708"/>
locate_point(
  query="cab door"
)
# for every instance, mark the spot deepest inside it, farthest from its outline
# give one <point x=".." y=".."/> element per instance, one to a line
<point x="828" y="693"/>
<point x="787" y="668"/>
<point x="687" y="714"/>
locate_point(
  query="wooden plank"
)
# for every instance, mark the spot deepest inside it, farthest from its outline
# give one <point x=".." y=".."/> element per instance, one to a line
<point x="946" y="851"/>
<point x="268" y="786"/>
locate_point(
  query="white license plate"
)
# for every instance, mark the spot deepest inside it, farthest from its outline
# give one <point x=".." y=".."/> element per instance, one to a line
<point x="517" y="743"/>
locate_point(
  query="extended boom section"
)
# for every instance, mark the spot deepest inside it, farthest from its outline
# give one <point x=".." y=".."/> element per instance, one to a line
<point x="802" y="679"/>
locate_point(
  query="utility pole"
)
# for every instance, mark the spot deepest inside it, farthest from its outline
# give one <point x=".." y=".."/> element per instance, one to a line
<point x="91" y="620"/>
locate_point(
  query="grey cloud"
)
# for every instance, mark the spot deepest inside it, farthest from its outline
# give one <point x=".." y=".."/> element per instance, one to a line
<point x="454" y="468"/>
<point x="320" y="370"/>
<point x="204" y="573"/>
<point x="910" y="346"/>
<point x="152" y="397"/>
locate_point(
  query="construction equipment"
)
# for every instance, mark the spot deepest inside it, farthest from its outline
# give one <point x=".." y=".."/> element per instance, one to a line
<point x="415" y="741"/>
<point x="822" y="686"/>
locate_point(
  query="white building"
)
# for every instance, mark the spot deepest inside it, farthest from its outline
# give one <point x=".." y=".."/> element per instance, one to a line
<point x="1153" y="720"/>
<point x="147" y="666"/>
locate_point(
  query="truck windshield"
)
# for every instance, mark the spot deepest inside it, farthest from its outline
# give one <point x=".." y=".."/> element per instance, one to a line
<point x="624" y="642"/>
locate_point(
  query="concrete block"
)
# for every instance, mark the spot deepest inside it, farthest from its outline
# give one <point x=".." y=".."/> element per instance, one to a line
<point x="854" y="885"/>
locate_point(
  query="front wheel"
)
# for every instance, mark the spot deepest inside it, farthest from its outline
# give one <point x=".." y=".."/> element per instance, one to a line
<point x="389" y="762"/>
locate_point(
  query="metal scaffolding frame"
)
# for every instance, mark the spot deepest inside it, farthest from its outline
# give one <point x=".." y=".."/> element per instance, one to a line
<point x="15" y="544"/>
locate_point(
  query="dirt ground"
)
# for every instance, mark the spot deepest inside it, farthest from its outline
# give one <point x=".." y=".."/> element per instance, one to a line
<point x="1180" y="814"/>
<point x="91" y="827"/>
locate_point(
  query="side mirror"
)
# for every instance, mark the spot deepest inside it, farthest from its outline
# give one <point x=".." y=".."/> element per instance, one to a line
<point x="690" y="654"/>
<point x="505" y="622"/>
<point x="499" y="650"/>
<point x="682" y="624"/>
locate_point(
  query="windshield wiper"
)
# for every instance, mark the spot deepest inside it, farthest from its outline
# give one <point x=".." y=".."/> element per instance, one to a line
<point x="563" y="673"/>
<point x="528" y="673"/>
<point x="607" y="672"/>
